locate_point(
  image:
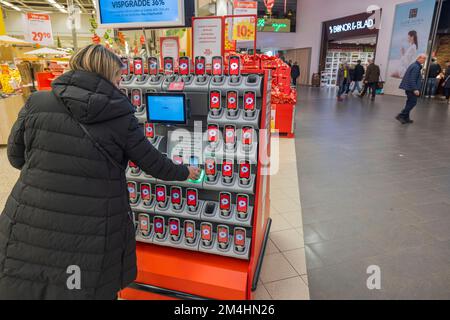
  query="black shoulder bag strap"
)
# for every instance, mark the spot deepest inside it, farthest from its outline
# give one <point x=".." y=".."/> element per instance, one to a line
<point x="89" y="135"/>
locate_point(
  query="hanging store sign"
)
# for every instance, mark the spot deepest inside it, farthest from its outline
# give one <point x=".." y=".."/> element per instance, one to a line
<point x="245" y="7"/>
<point x="274" y="25"/>
<point x="357" y="25"/>
<point x="352" y="26"/>
<point x="244" y="29"/>
<point x="38" y="28"/>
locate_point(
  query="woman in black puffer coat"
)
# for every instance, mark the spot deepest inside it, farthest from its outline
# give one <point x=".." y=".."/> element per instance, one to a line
<point x="70" y="204"/>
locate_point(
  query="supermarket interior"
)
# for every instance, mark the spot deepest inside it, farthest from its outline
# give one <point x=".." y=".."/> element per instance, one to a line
<point x="224" y="150"/>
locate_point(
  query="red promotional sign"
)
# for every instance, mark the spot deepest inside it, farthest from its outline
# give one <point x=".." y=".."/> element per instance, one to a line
<point x="38" y="28"/>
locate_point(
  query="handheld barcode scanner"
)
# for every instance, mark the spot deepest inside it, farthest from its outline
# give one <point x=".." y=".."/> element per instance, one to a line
<point x="150" y="131"/>
<point x="200" y="66"/>
<point x="239" y="239"/>
<point x="223" y="236"/>
<point x="168" y="65"/>
<point x="136" y="99"/>
<point x="227" y="171"/>
<point x="249" y="103"/>
<point x="146" y="194"/>
<point x="174" y="229"/>
<point x="244" y="172"/>
<point x="178" y="159"/>
<point x="192" y="199"/>
<point x="217" y="70"/>
<point x="215" y="102"/>
<point x="145" y="227"/>
<point x="159" y="226"/>
<point x="242" y="201"/>
<point x="225" y="204"/>
<point x="189" y="231"/>
<point x="126" y="76"/>
<point x="210" y="169"/>
<point x="152" y="64"/>
<point x="184" y="66"/>
<point x="206" y="233"/>
<point x="176" y="197"/>
<point x="132" y="192"/>
<point x="234" y="68"/>
<point x="213" y="135"/>
<point x="138" y="68"/>
<point x="134" y="169"/>
<point x="217" y="66"/>
<point x="161" y="195"/>
<point x="232" y="103"/>
<point x="230" y="137"/>
<point x="247" y="137"/>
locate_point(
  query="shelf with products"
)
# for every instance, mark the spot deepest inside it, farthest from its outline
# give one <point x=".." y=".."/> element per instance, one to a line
<point x="220" y="219"/>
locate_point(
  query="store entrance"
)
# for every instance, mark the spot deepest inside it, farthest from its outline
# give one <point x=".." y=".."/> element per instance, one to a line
<point x="347" y="40"/>
<point x="348" y="51"/>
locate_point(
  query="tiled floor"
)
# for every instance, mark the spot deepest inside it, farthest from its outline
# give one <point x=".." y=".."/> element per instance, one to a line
<point x="284" y="275"/>
<point x="374" y="192"/>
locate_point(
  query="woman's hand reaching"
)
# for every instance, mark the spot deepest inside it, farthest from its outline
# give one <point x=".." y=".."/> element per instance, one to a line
<point x="194" y="173"/>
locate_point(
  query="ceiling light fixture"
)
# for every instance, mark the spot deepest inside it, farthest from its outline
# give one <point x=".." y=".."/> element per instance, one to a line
<point x="10" y="5"/>
<point x="58" y="6"/>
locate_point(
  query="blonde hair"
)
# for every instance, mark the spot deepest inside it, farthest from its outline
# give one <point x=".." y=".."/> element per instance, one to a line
<point x="98" y="59"/>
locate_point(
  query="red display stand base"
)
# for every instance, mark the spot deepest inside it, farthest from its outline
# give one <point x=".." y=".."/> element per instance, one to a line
<point x="284" y="119"/>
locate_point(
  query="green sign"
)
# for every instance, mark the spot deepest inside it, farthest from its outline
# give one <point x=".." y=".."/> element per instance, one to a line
<point x="273" y="25"/>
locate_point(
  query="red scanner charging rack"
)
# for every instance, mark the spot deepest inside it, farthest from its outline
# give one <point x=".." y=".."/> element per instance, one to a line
<point x="205" y="240"/>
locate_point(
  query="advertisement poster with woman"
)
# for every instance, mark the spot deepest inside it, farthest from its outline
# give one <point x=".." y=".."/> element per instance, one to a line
<point x="410" y="34"/>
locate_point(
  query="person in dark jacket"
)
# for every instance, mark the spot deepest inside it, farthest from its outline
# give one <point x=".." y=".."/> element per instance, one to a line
<point x="433" y="81"/>
<point x="446" y="83"/>
<point x="358" y="75"/>
<point x="295" y="73"/>
<point x="68" y="216"/>
<point x="411" y="83"/>
<point x="371" y="79"/>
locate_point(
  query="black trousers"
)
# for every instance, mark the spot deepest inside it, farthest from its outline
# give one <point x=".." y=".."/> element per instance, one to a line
<point x="411" y="101"/>
<point x="372" y="86"/>
<point x="447" y="93"/>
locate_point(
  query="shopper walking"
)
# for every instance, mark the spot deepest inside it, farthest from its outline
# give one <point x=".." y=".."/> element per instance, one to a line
<point x="371" y="79"/>
<point x="358" y="75"/>
<point x="446" y="83"/>
<point x="350" y="82"/>
<point x="68" y="215"/>
<point x="411" y="83"/>
<point x="295" y="73"/>
<point x="433" y="81"/>
<point x="342" y="80"/>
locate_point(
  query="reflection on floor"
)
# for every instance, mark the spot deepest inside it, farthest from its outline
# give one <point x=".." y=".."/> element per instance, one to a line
<point x="374" y="192"/>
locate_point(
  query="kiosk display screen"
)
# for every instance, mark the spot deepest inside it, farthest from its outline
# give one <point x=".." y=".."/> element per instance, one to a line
<point x="166" y="108"/>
